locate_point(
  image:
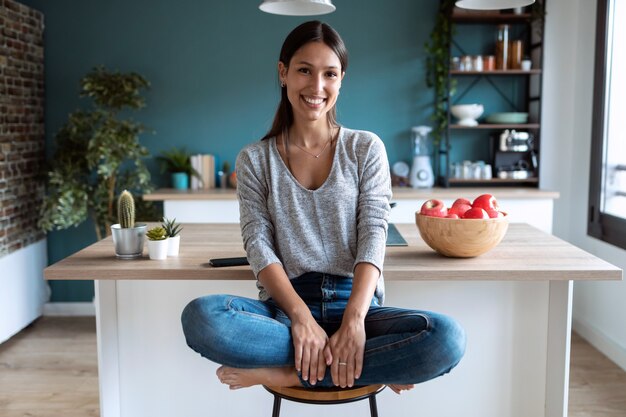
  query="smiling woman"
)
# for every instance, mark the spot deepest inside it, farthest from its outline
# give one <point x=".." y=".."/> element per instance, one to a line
<point x="313" y="219"/>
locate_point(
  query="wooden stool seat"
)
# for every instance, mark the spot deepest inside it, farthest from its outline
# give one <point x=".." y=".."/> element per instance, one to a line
<point x="334" y="395"/>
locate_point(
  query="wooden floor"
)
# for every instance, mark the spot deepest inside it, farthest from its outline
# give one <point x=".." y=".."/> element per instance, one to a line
<point x="50" y="370"/>
<point x="597" y="385"/>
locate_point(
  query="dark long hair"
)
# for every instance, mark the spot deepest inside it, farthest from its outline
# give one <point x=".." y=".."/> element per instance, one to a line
<point x="314" y="31"/>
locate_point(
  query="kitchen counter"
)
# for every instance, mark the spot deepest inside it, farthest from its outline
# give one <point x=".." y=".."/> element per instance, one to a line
<point x="552" y="259"/>
<point x="524" y="205"/>
<point x="514" y="303"/>
<point x="399" y="193"/>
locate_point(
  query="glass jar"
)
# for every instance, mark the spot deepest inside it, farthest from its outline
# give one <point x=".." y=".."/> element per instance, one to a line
<point x="477" y="63"/>
<point x="515" y="54"/>
<point x="466" y="63"/>
<point x="502" y="47"/>
<point x="489" y="63"/>
<point x="455" y="63"/>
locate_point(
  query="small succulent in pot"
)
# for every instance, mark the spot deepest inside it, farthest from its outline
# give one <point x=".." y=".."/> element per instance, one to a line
<point x="128" y="237"/>
<point x="157" y="243"/>
<point x="172" y="229"/>
<point x="156" y="233"/>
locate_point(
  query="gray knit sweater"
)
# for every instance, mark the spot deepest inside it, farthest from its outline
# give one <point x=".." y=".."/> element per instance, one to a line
<point x="330" y="229"/>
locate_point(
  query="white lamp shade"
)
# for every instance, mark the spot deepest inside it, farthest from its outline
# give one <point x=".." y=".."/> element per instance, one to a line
<point x="297" y="7"/>
<point x="492" y="4"/>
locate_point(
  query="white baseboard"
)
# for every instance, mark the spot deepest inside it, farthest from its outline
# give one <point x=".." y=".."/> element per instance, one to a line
<point x="69" y="309"/>
<point x="601" y="341"/>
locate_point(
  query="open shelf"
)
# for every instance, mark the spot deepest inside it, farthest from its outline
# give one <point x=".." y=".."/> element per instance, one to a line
<point x="497" y="72"/>
<point x="508" y="90"/>
<point x="495" y="181"/>
<point x="488" y="17"/>
<point x="498" y="126"/>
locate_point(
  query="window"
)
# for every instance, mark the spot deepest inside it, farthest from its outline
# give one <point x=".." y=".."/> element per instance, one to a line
<point x="607" y="190"/>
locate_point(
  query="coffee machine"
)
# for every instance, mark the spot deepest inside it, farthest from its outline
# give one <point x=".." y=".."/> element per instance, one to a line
<point x="515" y="156"/>
<point x="421" y="175"/>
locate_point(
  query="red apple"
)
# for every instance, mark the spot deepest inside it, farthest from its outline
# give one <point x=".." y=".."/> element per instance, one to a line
<point x="462" y="201"/>
<point x="452" y="216"/>
<point x="494" y="214"/>
<point x="475" y="213"/>
<point x="459" y="209"/>
<point x="434" y="208"/>
<point x="485" y="202"/>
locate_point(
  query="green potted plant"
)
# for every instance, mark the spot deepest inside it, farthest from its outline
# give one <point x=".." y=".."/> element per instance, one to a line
<point x="178" y="163"/>
<point x="437" y="66"/>
<point x="157" y="243"/>
<point x="127" y="236"/>
<point x="97" y="154"/>
<point x="172" y="230"/>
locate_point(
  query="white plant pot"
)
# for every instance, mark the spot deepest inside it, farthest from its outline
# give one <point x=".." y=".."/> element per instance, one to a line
<point x="157" y="249"/>
<point x="173" y="245"/>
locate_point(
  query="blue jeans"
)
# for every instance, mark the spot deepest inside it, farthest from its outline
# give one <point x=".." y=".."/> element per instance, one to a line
<point x="402" y="347"/>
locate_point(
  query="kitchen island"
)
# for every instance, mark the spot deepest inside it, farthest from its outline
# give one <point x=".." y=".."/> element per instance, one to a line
<point x="514" y="302"/>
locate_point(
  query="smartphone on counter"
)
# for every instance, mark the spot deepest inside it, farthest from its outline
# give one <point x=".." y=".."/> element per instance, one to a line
<point x="220" y="262"/>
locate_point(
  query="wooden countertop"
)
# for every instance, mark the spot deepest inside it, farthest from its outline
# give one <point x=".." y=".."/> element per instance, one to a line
<point x="525" y="254"/>
<point x="399" y="193"/>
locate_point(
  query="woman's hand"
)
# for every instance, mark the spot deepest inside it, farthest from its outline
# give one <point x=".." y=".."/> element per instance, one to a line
<point x="309" y="341"/>
<point x="347" y="346"/>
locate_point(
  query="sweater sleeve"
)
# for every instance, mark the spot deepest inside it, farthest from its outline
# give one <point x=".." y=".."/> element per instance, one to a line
<point x="373" y="205"/>
<point x="257" y="229"/>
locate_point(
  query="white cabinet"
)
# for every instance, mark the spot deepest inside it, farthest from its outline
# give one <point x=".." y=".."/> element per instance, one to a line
<point x="530" y="206"/>
<point x="202" y="211"/>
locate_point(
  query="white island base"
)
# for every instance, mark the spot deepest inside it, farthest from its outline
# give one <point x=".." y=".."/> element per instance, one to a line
<point x="146" y="369"/>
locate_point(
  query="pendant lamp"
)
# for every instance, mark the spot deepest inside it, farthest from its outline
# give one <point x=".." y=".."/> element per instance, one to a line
<point x="297" y="7"/>
<point x="492" y="4"/>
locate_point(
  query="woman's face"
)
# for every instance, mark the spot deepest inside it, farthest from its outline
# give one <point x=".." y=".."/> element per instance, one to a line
<point x="312" y="79"/>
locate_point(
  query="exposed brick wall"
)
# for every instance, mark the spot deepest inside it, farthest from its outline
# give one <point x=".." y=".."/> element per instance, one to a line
<point x="22" y="136"/>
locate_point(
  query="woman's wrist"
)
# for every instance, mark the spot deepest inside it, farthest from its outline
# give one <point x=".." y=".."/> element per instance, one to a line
<point x="299" y="315"/>
<point x="363" y="288"/>
<point x="354" y="315"/>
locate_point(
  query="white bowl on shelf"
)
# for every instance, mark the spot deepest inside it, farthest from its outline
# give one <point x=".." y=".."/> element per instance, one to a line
<point x="467" y="113"/>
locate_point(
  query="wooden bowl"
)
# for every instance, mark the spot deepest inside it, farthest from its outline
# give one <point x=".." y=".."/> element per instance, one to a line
<point x="461" y="238"/>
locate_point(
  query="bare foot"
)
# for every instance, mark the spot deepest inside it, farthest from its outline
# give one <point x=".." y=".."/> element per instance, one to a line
<point x="398" y="388"/>
<point x="237" y="378"/>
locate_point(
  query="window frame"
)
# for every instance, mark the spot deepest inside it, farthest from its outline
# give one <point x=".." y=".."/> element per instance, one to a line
<point x="603" y="226"/>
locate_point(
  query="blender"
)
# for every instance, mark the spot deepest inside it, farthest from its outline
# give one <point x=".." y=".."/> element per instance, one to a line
<point x="421" y="175"/>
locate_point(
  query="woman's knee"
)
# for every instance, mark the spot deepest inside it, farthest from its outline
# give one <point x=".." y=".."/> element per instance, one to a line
<point x="452" y="340"/>
<point x="198" y="315"/>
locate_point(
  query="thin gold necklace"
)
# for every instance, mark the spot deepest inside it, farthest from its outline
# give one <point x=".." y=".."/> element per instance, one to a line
<point x="330" y="139"/>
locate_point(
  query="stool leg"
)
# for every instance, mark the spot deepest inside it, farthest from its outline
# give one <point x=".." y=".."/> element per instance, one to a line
<point x="276" y="409"/>
<point x="373" y="406"/>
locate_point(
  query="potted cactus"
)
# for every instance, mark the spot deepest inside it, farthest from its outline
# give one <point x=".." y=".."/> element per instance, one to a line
<point x="128" y="237"/>
<point x="172" y="229"/>
<point x="157" y="243"/>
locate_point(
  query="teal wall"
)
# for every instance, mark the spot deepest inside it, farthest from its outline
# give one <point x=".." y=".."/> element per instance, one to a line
<point x="212" y="66"/>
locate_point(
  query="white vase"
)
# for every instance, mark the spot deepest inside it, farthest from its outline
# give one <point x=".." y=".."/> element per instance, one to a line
<point x="157" y="249"/>
<point x="173" y="245"/>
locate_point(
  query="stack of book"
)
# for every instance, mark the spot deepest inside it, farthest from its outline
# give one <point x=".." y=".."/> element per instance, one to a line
<point x="205" y="166"/>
